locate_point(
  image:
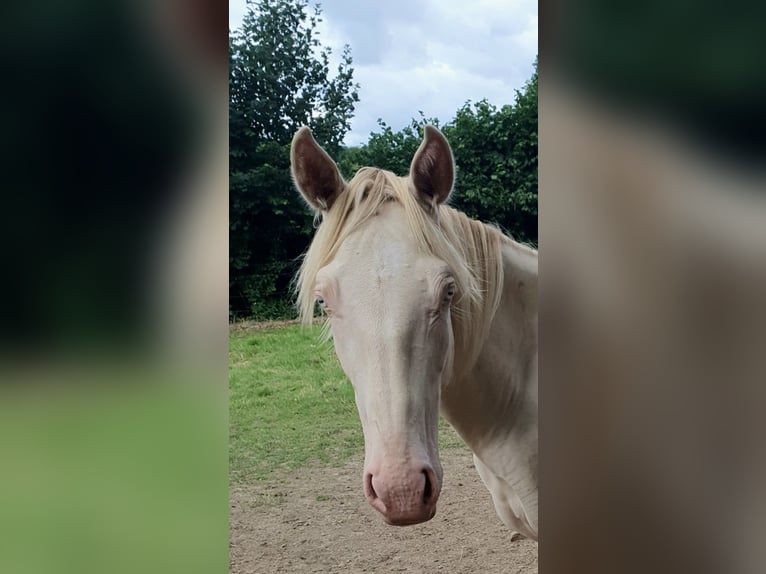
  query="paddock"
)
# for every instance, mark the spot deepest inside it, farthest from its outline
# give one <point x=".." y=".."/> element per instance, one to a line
<point x="295" y="513"/>
<point x="315" y="519"/>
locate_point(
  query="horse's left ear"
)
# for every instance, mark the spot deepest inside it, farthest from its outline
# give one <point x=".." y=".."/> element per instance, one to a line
<point x="433" y="169"/>
<point x="315" y="174"/>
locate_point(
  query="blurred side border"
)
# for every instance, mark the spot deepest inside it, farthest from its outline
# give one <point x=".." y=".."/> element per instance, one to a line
<point x="652" y="250"/>
<point x="113" y="302"/>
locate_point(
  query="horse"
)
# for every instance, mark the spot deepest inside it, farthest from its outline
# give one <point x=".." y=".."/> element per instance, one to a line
<point x="429" y="312"/>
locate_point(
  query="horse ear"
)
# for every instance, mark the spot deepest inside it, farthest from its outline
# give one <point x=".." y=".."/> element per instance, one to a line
<point x="433" y="169"/>
<point x="314" y="172"/>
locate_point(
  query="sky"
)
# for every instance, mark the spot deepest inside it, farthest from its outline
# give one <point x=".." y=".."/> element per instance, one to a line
<point x="426" y="55"/>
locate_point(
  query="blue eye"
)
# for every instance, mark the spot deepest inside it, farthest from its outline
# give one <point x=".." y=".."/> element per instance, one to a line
<point x="321" y="302"/>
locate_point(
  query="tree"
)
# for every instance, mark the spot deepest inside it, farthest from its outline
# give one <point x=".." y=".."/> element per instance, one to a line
<point x="279" y="80"/>
<point x="387" y="149"/>
<point x="496" y="158"/>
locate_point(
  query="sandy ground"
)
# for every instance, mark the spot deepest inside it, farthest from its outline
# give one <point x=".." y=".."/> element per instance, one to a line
<point x="317" y="520"/>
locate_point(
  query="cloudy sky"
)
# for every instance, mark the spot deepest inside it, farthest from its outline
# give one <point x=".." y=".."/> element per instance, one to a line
<point x="429" y="55"/>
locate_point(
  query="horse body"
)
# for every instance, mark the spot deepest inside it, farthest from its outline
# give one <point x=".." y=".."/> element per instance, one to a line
<point x="427" y="309"/>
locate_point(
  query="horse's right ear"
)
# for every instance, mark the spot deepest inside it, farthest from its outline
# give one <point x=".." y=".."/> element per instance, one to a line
<point x="315" y="174"/>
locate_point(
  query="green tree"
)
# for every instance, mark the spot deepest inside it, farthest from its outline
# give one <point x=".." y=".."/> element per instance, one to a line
<point x="496" y="155"/>
<point x="279" y="80"/>
<point x="496" y="158"/>
<point x="386" y="149"/>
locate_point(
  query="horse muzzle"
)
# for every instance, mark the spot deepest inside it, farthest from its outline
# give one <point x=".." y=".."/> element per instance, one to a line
<point x="404" y="495"/>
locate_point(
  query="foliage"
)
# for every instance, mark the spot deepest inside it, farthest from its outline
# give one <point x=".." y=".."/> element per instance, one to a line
<point x="495" y="153"/>
<point x="279" y="80"/>
<point x="388" y="149"/>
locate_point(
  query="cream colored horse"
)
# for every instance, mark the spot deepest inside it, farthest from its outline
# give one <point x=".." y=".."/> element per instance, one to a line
<point x="426" y="308"/>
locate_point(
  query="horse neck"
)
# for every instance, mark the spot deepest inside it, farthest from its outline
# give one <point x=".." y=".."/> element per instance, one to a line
<point x="480" y="404"/>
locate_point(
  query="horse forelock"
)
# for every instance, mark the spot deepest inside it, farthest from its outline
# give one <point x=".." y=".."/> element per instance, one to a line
<point x="470" y="248"/>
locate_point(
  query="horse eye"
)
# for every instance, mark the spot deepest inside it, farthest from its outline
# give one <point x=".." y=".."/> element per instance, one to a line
<point x="321" y="302"/>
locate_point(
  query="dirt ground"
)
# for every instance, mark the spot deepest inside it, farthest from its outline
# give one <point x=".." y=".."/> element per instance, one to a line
<point x="317" y="520"/>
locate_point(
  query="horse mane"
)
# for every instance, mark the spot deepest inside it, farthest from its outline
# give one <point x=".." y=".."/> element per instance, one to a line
<point x="471" y="249"/>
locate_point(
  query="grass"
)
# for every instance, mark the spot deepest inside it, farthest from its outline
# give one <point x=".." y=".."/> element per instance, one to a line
<point x="290" y="404"/>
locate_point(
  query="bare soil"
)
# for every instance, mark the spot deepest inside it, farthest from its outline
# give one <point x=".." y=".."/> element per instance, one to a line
<point x="317" y="520"/>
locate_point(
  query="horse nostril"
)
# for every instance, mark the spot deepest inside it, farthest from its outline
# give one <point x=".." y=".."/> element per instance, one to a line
<point x="427" y="488"/>
<point x="368" y="488"/>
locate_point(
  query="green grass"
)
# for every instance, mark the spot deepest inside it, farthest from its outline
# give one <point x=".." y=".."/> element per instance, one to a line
<point x="290" y="404"/>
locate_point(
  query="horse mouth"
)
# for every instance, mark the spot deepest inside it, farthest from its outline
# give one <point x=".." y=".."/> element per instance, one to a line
<point x="409" y="520"/>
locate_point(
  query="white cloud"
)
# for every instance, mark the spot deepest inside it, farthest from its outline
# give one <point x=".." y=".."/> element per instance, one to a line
<point x="237" y="10"/>
<point x="429" y="55"/>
